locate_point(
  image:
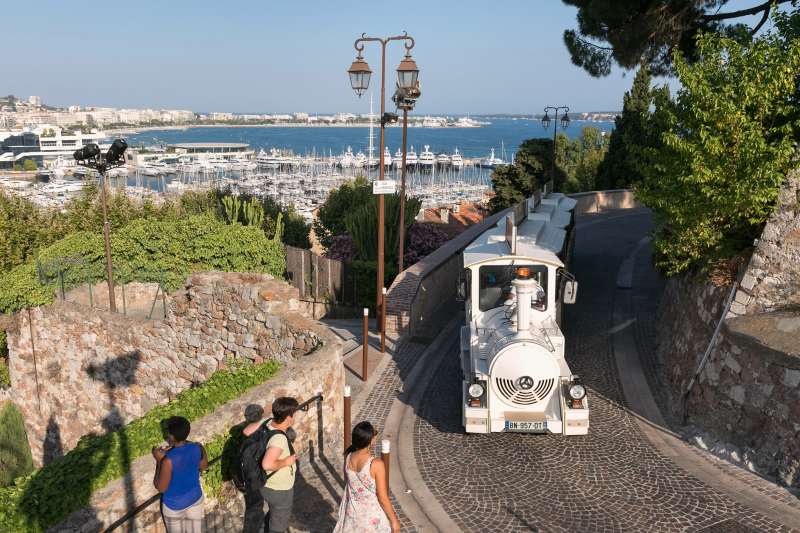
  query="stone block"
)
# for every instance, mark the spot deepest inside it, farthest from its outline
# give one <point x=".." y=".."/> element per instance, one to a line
<point x="732" y="363"/>
<point x="791" y="377"/>
<point x="737" y="394"/>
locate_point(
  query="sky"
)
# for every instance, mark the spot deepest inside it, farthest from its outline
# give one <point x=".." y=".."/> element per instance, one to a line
<point x="291" y="55"/>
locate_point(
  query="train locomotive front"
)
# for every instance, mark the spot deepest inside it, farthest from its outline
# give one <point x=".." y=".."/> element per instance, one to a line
<point x="515" y="375"/>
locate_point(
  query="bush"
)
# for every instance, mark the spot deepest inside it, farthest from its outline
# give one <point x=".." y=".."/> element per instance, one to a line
<point x="341" y="248"/>
<point x="29" y="165"/>
<point x="341" y="202"/>
<point x="423" y="239"/>
<point x="728" y="142"/>
<point x="15" y="453"/>
<point x="365" y="276"/>
<point x="5" y="379"/>
<point x="145" y="250"/>
<point x="50" y="494"/>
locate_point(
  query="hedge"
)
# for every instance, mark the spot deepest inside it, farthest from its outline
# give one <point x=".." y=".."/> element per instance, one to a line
<point x="144" y="250"/>
<point x="15" y="453"/>
<point x="52" y="493"/>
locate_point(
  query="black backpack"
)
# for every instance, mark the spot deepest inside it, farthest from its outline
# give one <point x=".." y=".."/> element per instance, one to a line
<point x="250" y="475"/>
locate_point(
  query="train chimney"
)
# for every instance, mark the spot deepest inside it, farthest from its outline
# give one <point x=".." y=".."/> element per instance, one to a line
<point x="524" y="288"/>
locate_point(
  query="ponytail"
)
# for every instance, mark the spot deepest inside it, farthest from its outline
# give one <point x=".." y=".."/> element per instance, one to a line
<point x="363" y="433"/>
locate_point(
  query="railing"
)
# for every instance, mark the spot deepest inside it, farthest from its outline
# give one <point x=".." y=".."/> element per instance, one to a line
<point x="157" y="496"/>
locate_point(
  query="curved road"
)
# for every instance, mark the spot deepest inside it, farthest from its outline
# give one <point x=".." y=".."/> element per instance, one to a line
<point x="614" y="479"/>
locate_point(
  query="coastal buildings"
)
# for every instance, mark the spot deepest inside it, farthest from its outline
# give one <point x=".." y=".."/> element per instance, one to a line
<point x="44" y="144"/>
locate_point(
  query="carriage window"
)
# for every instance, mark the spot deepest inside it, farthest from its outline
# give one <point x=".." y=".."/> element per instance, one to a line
<point x="495" y="285"/>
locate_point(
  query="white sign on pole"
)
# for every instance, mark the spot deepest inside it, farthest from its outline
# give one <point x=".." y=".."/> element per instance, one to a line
<point x="384" y="187"/>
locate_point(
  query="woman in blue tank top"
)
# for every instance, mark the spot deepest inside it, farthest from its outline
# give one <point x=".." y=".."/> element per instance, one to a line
<point x="177" y="478"/>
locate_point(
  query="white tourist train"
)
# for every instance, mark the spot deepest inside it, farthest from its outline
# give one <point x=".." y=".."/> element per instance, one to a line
<point x="514" y="284"/>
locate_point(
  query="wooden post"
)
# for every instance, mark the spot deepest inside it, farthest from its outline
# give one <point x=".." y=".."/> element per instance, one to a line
<point x="365" y="345"/>
<point x="385" y="456"/>
<point x="383" y="322"/>
<point x="347" y="429"/>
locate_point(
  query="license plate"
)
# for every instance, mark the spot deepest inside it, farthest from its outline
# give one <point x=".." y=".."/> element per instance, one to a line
<point x="528" y="427"/>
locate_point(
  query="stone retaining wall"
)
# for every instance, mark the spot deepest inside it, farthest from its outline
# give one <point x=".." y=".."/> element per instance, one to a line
<point x="76" y="370"/>
<point x="745" y="404"/>
<point x="318" y="443"/>
<point x="419" y="293"/>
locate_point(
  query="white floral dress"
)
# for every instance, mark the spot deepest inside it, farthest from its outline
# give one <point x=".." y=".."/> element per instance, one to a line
<point x="360" y="511"/>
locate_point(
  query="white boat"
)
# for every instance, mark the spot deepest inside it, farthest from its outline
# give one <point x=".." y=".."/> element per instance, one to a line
<point x="387" y="157"/>
<point x="411" y="158"/>
<point x="491" y="161"/>
<point x="443" y="160"/>
<point x="397" y="160"/>
<point x="456" y="160"/>
<point x="426" y="158"/>
<point x="347" y="159"/>
<point x="360" y="160"/>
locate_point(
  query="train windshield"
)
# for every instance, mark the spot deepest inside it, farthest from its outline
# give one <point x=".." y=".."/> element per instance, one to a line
<point x="495" y="285"/>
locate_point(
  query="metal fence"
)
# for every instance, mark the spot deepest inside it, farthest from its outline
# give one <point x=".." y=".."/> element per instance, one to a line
<point x="75" y="280"/>
<point x="320" y="279"/>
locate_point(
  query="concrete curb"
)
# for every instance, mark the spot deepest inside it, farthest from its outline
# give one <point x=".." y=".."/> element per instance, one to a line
<point x="642" y="405"/>
<point x="406" y="483"/>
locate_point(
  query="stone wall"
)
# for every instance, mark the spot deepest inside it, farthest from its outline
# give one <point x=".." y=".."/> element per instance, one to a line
<point x="418" y="295"/>
<point x="76" y="370"/>
<point x="318" y="443"/>
<point x="745" y="404"/>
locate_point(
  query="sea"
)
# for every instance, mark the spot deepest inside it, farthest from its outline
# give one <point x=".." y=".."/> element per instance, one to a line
<point x="502" y="134"/>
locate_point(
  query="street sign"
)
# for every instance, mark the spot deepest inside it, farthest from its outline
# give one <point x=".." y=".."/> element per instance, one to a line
<point x="384" y="187"/>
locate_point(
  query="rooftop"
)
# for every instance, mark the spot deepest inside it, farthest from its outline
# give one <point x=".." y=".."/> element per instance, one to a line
<point x="209" y="145"/>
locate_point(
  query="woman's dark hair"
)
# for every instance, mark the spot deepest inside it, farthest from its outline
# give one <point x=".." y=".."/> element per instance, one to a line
<point x="363" y="434"/>
<point x="283" y="408"/>
<point x="178" y="427"/>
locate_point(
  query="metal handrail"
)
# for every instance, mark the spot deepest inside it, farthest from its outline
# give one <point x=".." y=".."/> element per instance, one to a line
<point x="157" y="496"/>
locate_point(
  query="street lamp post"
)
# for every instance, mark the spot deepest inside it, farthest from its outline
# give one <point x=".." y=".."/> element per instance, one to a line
<point x="564" y="125"/>
<point x="404" y="99"/>
<point x="359" y="80"/>
<point x="89" y="156"/>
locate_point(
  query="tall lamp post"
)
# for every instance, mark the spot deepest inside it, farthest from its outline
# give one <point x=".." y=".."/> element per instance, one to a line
<point x="89" y="156"/>
<point x="404" y="99"/>
<point x="360" y="74"/>
<point x="564" y="125"/>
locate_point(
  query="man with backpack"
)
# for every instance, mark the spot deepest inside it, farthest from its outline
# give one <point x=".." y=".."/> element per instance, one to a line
<point x="267" y="463"/>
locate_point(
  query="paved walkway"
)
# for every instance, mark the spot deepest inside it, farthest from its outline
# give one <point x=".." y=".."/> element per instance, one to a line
<point x="614" y="479"/>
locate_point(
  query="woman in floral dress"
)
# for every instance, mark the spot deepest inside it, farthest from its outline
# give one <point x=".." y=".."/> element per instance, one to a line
<point x="365" y="506"/>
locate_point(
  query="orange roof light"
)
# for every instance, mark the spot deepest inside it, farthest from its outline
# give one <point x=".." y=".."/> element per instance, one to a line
<point x="523" y="272"/>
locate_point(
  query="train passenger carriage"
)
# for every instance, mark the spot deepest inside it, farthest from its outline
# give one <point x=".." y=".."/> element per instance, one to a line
<point x="514" y="283"/>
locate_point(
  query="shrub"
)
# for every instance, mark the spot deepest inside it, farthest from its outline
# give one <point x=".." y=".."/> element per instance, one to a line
<point x="728" y="143"/>
<point x="145" y="250"/>
<point x="50" y="494"/>
<point x="341" y="248"/>
<point x="423" y="239"/>
<point x="15" y="453"/>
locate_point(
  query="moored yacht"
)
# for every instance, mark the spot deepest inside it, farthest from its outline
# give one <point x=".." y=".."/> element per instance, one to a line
<point x="347" y="159"/>
<point x="397" y="160"/>
<point x="491" y="161"/>
<point x="426" y="158"/>
<point x="456" y="159"/>
<point x="387" y="157"/>
<point x="443" y="160"/>
<point x="411" y="158"/>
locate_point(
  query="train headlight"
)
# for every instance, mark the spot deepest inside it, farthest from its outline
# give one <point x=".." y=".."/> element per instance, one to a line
<point x="475" y="390"/>
<point x="577" y="392"/>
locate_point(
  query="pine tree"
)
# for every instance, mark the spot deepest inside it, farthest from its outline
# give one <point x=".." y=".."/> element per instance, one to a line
<point x="622" y="167"/>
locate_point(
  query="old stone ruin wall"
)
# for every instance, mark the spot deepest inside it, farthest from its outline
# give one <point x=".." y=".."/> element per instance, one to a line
<point x="745" y="404"/>
<point x="77" y="370"/>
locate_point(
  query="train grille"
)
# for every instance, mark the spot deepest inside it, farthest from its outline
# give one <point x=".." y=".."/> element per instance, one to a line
<point x="519" y="396"/>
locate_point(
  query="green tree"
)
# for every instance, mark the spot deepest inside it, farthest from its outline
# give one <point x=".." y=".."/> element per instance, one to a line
<point x="362" y="225"/>
<point x="622" y="164"/>
<point x="330" y="220"/>
<point x="15" y="453"/>
<point x="632" y="32"/>
<point x="728" y="144"/>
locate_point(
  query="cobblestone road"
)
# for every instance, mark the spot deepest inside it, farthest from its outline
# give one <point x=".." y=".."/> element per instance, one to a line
<point x="611" y="480"/>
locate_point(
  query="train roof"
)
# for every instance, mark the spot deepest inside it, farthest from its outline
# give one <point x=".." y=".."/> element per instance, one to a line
<point x="540" y="237"/>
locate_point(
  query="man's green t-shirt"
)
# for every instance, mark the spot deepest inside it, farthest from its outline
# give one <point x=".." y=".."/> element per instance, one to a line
<point x="283" y="478"/>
